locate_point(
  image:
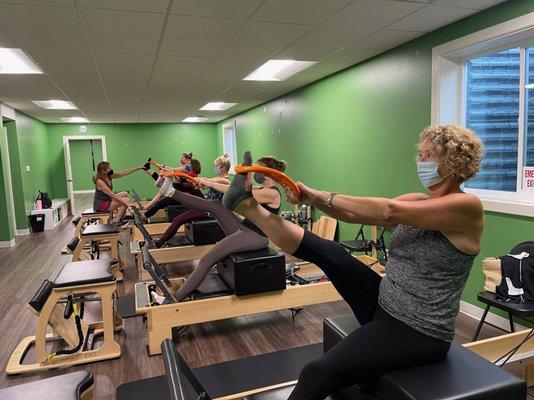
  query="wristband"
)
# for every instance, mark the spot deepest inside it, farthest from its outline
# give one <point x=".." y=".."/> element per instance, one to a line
<point x="331" y="198"/>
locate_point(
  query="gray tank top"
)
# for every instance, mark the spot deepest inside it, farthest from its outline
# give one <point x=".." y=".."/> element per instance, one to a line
<point x="425" y="276"/>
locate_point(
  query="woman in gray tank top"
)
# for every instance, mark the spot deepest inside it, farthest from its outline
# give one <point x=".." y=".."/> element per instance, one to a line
<point x="105" y="199"/>
<point x="407" y="317"/>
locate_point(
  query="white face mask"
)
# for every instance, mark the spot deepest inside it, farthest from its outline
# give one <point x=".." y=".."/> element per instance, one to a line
<point x="428" y="173"/>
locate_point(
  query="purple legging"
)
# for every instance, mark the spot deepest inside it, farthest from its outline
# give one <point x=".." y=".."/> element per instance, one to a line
<point x="177" y="222"/>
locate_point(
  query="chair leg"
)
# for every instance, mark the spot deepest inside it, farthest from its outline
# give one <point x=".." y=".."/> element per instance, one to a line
<point x="479" y="327"/>
<point x="511" y="318"/>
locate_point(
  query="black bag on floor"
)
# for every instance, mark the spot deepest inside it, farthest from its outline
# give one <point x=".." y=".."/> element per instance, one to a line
<point x="46" y="201"/>
<point x="517" y="270"/>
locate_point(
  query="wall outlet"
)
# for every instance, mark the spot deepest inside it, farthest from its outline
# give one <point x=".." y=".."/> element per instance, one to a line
<point x="28" y="168"/>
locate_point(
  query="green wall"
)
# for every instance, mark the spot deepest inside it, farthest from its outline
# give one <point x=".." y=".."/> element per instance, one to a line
<point x="81" y="161"/>
<point x="355" y="132"/>
<point x="32" y="142"/>
<point x="129" y="145"/>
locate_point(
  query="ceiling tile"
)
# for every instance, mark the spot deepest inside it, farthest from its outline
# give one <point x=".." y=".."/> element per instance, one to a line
<point x="62" y="3"/>
<point x="33" y="87"/>
<point x="6" y="41"/>
<point x="431" y="18"/>
<point x="474" y="4"/>
<point x="190" y="48"/>
<point x="306" y="52"/>
<point x="14" y="18"/>
<point x="298" y="11"/>
<point x="125" y="59"/>
<point x="180" y="67"/>
<point x="45" y="40"/>
<point x="251" y="50"/>
<point x="351" y="56"/>
<point x="270" y="32"/>
<point x="159" y="91"/>
<point x="157" y="6"/>
<point x="111" y="22"/>
<point x="239" y="9"/>
<point x="243" y="90"/>
<point x="357" y="21"/>
<point x="202" y="28"/>
<point x="386" y="39"/>
<point x="66" y="58"/>
<point x="124" y="44"/>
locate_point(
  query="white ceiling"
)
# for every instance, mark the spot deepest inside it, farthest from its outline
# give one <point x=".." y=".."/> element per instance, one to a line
<point x="161" y="60"/>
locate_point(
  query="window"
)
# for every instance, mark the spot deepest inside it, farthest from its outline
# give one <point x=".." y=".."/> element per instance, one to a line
<point x="485" y="81"/>
<point x="492" y="111"/>
<point x="229" y="143"/>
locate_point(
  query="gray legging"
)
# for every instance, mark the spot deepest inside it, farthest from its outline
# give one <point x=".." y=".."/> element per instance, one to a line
<point x="238" y="238"/>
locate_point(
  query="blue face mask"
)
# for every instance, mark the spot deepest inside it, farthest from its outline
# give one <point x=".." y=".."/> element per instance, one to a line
<point x="217" y="170"/>
<point x="259" y="177"/>
<point x="187" y="168"/>
<point x="428" y="173"/>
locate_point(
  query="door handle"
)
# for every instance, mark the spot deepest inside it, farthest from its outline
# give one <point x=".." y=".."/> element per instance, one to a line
<point x="70" y="180"/>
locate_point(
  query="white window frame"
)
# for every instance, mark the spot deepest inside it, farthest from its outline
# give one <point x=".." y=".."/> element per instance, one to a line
<point x="230" y="128"/>
<point x="448" y="96"/>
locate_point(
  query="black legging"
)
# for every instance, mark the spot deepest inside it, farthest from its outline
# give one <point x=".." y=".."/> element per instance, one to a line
<point x="382" y="344"/>
<point x="161" y="204"/>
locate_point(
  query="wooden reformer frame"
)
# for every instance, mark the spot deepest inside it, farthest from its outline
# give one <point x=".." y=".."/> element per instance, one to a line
<point x="51" y="315"/>
<point x="160" y="319"/>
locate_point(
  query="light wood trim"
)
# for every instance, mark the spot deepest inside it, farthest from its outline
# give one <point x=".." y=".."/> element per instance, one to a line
<point x="256" y="391"/>
<point x="179" y="253"/>
<point x="155" y="229"/>
<point x="110" y="347"/>
<point x="161" y="319"/>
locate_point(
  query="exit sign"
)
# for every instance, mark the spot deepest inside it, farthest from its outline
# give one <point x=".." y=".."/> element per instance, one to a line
<point x="528" y="178"/>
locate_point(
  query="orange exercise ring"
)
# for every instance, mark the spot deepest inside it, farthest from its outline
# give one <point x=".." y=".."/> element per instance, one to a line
<point x="179" y="174"/>
<point x="276" y="175"/>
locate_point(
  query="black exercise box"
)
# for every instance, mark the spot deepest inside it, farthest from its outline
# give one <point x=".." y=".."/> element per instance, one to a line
<point x="254" y="271"/>
<point x="205" y="231"/>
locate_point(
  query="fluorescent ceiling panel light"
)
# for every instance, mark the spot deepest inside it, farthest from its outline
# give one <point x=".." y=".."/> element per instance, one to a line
<point x="278" y="70"/>
<point x="217" y="106"/>
<point x="55" y="104"/>
<point x="195" y="119"/>
<point x="15" y="61"/>
<point x="75" y="119"/>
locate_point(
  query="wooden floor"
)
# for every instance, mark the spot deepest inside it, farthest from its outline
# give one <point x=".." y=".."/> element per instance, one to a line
<point x="38" y="256"/>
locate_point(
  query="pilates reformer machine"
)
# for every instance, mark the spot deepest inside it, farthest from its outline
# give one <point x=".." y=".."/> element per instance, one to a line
<point x="199" y="237"/>
<point x="462" y="375"/>
<point x="59" y="304"/>
<point x="244" y="284"/>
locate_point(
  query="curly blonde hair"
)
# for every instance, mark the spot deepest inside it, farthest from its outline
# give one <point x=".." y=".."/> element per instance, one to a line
<point x="224" y="161"/>
<point x="459" y="147"/>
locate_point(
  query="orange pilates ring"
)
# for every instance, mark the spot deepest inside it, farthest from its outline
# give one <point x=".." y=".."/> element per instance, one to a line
<point x="179" y="174"/>
<point x="274" y="174"/>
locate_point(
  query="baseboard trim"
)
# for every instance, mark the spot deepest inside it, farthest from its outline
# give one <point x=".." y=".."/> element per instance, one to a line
<point x="476" y="313"/>
<point x="83" y="191"/>
<point x="23" y="232"/>
<point x="7" y="244"/>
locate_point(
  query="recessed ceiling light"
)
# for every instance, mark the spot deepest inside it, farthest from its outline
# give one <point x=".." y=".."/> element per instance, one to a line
<point x="75" y="119"/>
<point x="217" y="106"/>
<point x="195" y="119"/>
<point x="278" y="70"/>
<point x="15" y="61"/>
<point x="55" y="104"/>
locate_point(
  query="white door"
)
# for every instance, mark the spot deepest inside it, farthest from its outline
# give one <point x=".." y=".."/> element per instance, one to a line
<point x="68" y="171"/>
